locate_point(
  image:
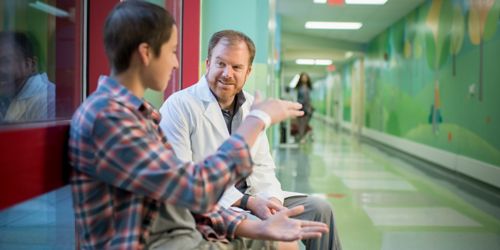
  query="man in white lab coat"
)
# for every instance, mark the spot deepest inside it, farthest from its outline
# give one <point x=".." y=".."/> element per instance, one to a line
<point x="198" y="119"/>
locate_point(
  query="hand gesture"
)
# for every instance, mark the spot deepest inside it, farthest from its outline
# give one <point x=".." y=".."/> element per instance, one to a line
<point x="281" y="227"/>
<point x="263" y="208"/>
<point x="278" y="110"/>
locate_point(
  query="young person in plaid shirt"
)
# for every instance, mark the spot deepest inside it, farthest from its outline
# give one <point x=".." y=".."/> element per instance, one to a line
<point x="126" y="179"/>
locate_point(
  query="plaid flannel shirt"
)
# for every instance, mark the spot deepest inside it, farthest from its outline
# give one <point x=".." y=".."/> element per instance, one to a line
<point x="123" y="168"/>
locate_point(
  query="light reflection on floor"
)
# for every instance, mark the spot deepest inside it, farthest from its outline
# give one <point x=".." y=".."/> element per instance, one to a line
<point x="383" y="202"/>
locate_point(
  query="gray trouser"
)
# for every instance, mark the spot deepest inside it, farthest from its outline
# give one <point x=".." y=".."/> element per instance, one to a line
<point x="317" y="209"/>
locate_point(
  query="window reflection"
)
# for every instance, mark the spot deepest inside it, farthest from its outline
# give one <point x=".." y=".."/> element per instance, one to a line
<point x="25" y="93"/>
<point x="40" y="53"/>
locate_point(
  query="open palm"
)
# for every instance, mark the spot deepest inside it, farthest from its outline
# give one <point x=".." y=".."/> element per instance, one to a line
<point x="283" y="228"/>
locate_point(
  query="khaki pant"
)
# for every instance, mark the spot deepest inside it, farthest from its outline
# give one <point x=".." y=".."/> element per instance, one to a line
<point x="239" y="243"/>
<point x="182" y="242"/>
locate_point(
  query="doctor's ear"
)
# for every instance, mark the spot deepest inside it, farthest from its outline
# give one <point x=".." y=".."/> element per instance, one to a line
<point x="207" y="62"/>
<point x="249" y="70"/>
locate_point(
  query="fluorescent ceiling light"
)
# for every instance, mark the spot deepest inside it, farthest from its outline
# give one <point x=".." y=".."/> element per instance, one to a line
<point x="373" y="2"/>
<point x="305" y="61"/>
<point x="334" y="25"/>
<point x="49" y="9"/>
<point x="348" y="54"/>
<point x="322" y="62"/>
<point x="313" y="61"/>
<point x="319" y="1"/>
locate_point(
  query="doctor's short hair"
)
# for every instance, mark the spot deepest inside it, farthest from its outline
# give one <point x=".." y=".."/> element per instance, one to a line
<point x="22" y="42"/>
<point x="232" y="37"/>
<point x="131" y="23"/>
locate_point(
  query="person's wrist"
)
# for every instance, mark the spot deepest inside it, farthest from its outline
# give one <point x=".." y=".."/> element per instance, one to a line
<point x="244" y="201"/>
<point x="262" y="116"/>
<point x="275" y="200"/>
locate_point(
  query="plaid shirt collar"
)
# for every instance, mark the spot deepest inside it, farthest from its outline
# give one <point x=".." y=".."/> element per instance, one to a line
<point x="123" y="95"/>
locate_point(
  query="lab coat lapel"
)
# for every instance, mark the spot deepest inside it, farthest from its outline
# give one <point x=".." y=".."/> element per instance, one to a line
<point x="212" y="109"/>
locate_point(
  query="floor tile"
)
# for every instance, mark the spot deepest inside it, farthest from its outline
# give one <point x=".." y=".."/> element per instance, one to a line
<point x="419" y="216"/>
<point x="440" y="240"/>
<point x="396" y="185"/>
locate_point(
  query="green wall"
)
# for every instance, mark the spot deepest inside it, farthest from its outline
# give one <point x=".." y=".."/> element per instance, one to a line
<point x="432" y="78"/>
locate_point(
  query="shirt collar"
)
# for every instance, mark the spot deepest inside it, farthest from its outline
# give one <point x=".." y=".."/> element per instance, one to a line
<point x="35" y="85"/>
<point x="123" y="95"/>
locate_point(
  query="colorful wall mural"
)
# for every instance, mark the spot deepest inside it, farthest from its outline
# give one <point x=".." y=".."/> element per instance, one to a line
<point x="433" y="78"/>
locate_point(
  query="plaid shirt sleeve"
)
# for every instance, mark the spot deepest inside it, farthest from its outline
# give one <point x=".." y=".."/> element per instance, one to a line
<point x="132" y="156"/>
<point x="219" y="224"/>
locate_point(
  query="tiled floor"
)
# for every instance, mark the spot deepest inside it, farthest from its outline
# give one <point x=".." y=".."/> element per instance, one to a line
<point x="380" y="202"/>
<point x="383" y="202"/>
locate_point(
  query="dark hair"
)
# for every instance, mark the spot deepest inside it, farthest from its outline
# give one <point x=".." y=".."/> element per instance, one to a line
<point x="131" y="23"/>
<point x="308" y="82"/>
<point x="20" y="40"/>
<point x="232" y="37"/>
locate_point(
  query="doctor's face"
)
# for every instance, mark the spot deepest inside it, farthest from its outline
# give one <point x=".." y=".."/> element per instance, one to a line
<point x="227" y="70"/>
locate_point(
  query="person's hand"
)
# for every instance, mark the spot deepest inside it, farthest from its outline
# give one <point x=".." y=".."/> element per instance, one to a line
<point x="282" y="228"/>
<point x="278" y="110"/>
<point x="276" y="201"/>
<point x="263" y="208"/>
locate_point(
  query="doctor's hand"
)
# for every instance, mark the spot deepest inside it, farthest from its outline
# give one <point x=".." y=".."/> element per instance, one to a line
<point x="278" y="110"/>
<point x="263" y="208"/>
<point x="282" y="227"/>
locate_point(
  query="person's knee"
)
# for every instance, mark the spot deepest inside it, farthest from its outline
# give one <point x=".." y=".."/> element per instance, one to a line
<point x="320" y="207"/>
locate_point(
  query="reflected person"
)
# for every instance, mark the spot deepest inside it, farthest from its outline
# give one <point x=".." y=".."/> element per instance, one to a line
<point x="25" y="94"/>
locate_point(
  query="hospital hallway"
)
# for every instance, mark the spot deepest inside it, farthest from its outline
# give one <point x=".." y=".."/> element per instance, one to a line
<point x="385" y="200"/>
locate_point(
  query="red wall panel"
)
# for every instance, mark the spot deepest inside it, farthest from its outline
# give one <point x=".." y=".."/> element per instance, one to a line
<point x="190" y="42"/>
<point x="33" y="162"/>
<point x="97" y="61"/>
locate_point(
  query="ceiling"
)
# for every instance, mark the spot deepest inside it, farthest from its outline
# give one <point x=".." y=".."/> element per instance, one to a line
<point x="297" y="42"/>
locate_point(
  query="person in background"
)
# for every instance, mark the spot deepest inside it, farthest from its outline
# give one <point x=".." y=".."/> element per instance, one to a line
<point x="129" y="189"/>
<point x="25" y="94"/>
<point x="198" y="119"/>
<point x="304" y="88"/>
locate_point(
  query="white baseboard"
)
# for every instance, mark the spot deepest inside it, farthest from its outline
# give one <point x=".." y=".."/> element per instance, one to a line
<point x="479" y="170"/>
<point x="468" y="166"/>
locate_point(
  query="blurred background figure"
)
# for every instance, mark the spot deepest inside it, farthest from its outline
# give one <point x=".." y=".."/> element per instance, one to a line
<point x="304" y="88"/>
<point x="25" y="94"/>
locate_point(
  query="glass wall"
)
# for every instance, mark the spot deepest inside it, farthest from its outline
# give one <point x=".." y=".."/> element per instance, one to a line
<point x="40" y="60"/>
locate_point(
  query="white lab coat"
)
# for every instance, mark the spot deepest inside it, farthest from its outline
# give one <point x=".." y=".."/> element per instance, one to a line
<point x="194" y="125"/>
<point x="35" y="101"/>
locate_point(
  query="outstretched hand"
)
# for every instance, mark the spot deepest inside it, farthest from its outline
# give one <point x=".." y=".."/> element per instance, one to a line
<point x="278" y="110"/>
<point x="281" y="227"/>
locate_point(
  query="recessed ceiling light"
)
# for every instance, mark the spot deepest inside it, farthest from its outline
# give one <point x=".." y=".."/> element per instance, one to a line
<point x="322" y="62"/>
<point x="313" y="61"/>
<point x="334" y="25"/>
<point x="319" y="1"/>
<point x="305" y="61"/>
<point x="374" y="2"/>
